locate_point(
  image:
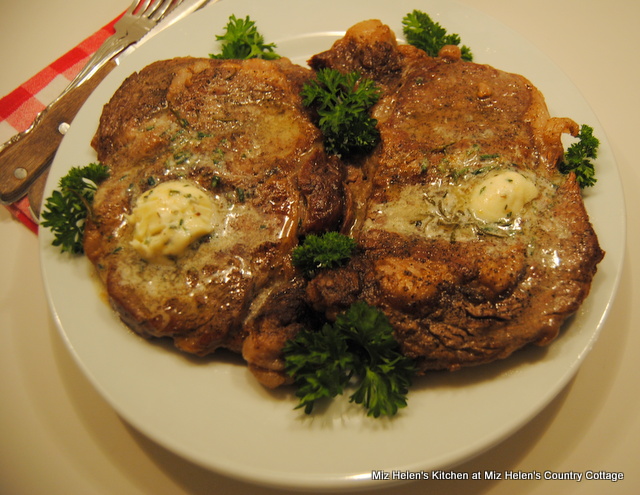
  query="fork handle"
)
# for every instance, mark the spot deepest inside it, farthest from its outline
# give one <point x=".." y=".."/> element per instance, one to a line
<point x="28" y="154"/>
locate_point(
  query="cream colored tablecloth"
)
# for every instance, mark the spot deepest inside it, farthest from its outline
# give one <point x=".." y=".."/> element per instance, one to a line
<point x="57" y="435"/>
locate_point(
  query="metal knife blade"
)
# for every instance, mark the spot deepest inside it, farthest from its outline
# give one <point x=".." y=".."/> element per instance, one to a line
<point x="34" y="151"/>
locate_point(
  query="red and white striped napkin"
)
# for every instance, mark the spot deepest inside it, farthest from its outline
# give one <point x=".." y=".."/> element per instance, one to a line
<point x="19" y="108"/>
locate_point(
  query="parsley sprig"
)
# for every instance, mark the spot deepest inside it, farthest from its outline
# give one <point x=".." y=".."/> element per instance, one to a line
<point x="66" y="210"/>
<point x="358" y="348"/>
<point x="578" y="157"/>
<point x="242" y="40"/>
<point x="423" y="32"/>
<point x="326" y="251"/>
<point x="342" y="102"/>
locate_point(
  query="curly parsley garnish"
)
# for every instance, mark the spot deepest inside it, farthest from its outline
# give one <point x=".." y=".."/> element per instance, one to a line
<point x="342" y="102"/>
<point x="66" y="210"/>
<point x="423" y="32"/>
<point x="325" y="251"/>
<point x="577" y="158"/>
<point x="358" y="348"/>
<point x="242" y="40"/>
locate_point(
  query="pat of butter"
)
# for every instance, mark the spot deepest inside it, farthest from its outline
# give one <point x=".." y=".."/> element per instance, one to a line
<point x="501" y="196"/>
<point x="169" y="217"/>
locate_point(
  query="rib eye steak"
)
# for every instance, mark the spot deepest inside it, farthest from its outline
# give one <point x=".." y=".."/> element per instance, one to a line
<point x="471" y="240"/>
<point x="215" y="171"/>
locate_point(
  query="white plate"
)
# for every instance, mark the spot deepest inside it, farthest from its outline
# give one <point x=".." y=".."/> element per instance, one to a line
<point x="212" y="411"/>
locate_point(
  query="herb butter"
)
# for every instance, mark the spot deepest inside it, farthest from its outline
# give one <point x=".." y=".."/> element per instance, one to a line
<point x="169" y="217"/>
<point x="501" y="196"/>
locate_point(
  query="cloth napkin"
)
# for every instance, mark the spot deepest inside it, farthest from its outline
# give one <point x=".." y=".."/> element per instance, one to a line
<point x="19" y="108"/>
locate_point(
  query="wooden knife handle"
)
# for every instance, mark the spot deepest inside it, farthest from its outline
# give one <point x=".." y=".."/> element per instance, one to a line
<point x="28" y="154"/>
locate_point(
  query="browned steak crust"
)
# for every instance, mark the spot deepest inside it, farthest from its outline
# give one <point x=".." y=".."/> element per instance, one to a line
<point x="459" y="288"/>
<point x="237" y="130"/>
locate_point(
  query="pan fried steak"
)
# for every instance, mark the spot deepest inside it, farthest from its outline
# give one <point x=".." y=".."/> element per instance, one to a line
<point x="471" y="241"/>
<point x="215" y="171"/>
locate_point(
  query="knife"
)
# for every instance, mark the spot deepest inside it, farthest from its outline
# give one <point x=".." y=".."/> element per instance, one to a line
<point x="25" y="159"/>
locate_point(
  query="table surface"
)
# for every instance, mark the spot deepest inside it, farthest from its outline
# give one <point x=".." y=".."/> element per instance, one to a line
<point x="58" y="436"/>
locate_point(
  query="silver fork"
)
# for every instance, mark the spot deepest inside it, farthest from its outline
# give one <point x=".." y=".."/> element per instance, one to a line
<point x="27" y="154"/>
<point x="139" y="18"/>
